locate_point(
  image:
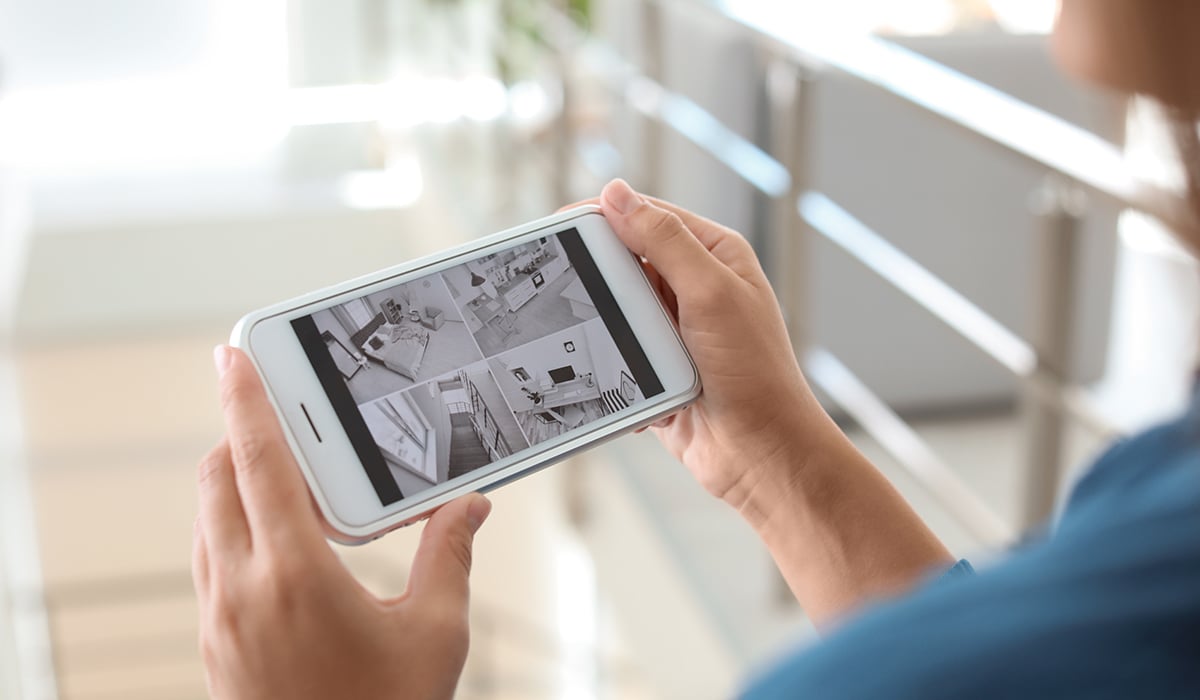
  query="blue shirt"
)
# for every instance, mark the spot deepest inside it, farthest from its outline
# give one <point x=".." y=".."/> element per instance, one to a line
<point x="1108" y="606"/>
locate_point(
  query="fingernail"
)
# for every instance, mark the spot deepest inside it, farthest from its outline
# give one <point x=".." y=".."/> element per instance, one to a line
<point x="622" y="197"/>
<point x="221" y="358"/>
<point x="478" y="511"/>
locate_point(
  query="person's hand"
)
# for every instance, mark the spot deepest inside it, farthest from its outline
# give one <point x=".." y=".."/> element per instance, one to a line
<point x="756" y="409"/>
<point x="757" y="437"/>
<point x="280" y="617"/>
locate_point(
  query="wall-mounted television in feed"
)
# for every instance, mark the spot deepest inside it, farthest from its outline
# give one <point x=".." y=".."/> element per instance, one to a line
<point x="561" y="375"/>
<point x="460" y="370"/>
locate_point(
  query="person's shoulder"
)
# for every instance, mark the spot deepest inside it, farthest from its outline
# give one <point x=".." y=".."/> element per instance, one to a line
<point x="1104" y="607"/>
<point x="1093" y="617"/>
<point x="1149" y="470"/>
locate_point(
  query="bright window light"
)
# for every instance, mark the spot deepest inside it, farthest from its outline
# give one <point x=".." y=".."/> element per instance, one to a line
<point x="199" y="114"/>
<point x="164" y="123"/>
<point x="398" y="186"/>
<point x="1025" y="16"/>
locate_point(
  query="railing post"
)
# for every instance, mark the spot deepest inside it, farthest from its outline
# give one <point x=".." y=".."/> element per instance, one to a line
<point x="26" y="641"/>
<point x="653" y="132"/>
<point x="789" y="95"/>
<point x="564" y="127"/>
<point x="1058" y="208"/>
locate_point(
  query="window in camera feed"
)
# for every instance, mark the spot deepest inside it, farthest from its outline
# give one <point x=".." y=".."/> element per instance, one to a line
<point x="450" y="373"/>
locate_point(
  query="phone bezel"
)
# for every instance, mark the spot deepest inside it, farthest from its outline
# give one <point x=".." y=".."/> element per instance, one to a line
<point x="339" y="485"/>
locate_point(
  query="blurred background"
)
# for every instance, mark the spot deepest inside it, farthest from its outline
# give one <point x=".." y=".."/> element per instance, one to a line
<point x="968" y="289"/>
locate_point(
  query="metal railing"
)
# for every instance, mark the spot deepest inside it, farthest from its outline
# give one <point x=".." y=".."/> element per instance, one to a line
<point x="484" y="422"/>
<point x="33" y="670"/>
<point x="1075" y="161"/>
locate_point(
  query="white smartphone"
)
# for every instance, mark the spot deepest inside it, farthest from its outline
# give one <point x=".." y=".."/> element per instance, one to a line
<point x="462" y="371"/>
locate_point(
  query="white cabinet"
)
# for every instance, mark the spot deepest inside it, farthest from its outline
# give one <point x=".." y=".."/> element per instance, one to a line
<point x="553" y="268"/>
<point x="520" y="293"/>
<point x="471" y="320"/>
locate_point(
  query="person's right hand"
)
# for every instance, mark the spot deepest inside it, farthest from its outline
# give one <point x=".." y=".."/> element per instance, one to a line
<point x="756" y="414"/>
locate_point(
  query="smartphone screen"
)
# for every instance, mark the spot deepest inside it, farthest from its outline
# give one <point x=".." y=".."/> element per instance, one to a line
<point x="453" y="372"/>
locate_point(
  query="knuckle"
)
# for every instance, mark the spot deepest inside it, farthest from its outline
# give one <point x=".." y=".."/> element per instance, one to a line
<point x="742" y="244"/>
<point x="208" y="653"/>
<point x="287" y="569"/>
<point x="221" y="622"/>
<point x="210" y="466"/>
<point x="665" y="225"/>
<point x="664" y="232"/>
<point x="446" y="622"/>
<point x="234" y="392"/>
<point x="710" y="294"/>
<point x="223" y="601"/>
<point x="283" y="586"/>
<point x="252" y="450"/>
<point x="461" y="547"/>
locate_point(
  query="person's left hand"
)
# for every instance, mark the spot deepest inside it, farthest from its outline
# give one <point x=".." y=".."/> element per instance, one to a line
<point x="280" y="617"/>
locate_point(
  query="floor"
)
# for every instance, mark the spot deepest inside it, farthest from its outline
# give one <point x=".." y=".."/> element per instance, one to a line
<point x="545" y="313"/>
<point x="539" y="429"/>
<point x="467" y="453"/>
<point x="450" y="347"/>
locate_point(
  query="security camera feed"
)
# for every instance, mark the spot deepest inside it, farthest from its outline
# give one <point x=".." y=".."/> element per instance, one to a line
<point x="441" y="376"/>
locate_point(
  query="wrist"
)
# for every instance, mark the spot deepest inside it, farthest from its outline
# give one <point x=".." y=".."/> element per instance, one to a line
<point x="837" y="529"/>
<point x="787" y="492"/>
<point x="790" y="448"/>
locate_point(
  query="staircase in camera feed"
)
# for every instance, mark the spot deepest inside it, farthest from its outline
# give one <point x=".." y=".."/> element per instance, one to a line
<point x="475" y="440"/>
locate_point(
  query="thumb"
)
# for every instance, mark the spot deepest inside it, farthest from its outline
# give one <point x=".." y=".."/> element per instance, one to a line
<point x="442" y="565"/>
<point x="659" y="236"/>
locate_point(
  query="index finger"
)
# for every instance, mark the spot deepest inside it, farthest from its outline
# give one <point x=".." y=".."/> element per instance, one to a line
<point x="713" y="236"/>
<point x="273" y="491"/>
<point x="709" y="232"/>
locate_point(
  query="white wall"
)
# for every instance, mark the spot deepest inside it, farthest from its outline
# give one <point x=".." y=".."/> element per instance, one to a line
<point x="460" y="279"/>
<point x="428" y="398"/>
<point x="326" y="321"/>
<point x="605" y="356"/>
<point x="420" y="294"/>
<point x="537" y="358"/>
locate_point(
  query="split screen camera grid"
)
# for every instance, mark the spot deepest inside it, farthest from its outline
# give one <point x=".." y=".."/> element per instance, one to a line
<point x="460" y="369"/>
